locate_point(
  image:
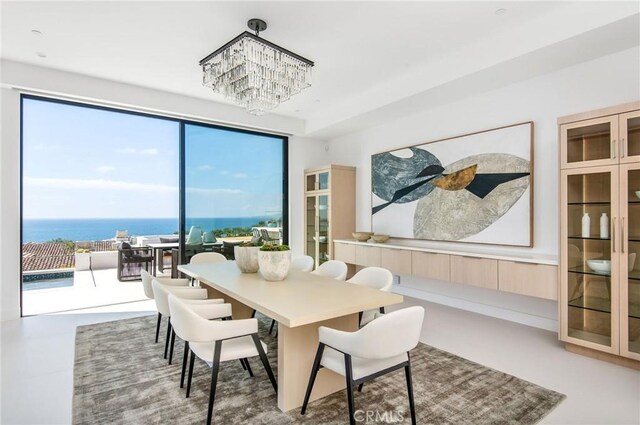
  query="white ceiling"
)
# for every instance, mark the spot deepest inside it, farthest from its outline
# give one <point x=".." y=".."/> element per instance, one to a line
<point x="368" y="54"/>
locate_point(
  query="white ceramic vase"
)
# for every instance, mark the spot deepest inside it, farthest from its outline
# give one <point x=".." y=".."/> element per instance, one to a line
<point x="274" y="265"/>
<point x="247" y="258"/>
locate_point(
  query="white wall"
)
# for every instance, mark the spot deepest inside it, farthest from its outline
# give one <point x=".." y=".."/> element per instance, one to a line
<point x="303" y="152"/>
<point x="603" y="82"/>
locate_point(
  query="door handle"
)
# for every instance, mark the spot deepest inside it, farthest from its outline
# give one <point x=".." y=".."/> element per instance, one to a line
<point x="622" y="234"/>
<point x="622" y="148"/>
<point x="613" y="148"/>
<point x="613" y="234"/>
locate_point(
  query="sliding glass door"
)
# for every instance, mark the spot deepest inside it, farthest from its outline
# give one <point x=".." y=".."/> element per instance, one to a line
<point x="234" y="188"/>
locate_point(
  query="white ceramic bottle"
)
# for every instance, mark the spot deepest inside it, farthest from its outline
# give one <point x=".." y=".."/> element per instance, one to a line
<point x="604" y="226"/>
<point x="586" y="225"/>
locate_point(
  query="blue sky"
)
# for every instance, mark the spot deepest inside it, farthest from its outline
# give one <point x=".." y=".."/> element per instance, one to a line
<point x="90" y="163"/>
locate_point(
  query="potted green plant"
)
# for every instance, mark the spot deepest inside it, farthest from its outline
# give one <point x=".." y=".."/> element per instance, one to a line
<point x="274" y="261"/>
<point x="246" y="255"/>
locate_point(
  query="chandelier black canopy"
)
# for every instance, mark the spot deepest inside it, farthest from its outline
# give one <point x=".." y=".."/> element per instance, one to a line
<point x="255" y="73"/>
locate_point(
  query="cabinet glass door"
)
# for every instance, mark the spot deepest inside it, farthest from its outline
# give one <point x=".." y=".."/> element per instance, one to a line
<point x="311" y="248"/>
<point x="590" y="260"/>
<point x="323" y="229"/>
<point x="630" y="136"/>
<point x="317" y="181"/>
<point x="629" y="261"/>
<point x="590" y="143"/>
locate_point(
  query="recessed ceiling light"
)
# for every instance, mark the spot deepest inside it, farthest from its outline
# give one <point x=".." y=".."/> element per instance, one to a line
<point x="41" y="55"/>
<point x="36" y="32"/>
<point x="501" y="11"/>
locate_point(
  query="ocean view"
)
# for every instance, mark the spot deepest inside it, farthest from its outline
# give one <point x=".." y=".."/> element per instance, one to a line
<point x="42" y="230"/>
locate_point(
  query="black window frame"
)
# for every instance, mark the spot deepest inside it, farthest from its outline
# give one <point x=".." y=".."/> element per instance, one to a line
<point x="183" y="122"/>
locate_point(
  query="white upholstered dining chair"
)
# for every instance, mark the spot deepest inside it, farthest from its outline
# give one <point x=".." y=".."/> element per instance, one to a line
<point x="217" y="341"/>
<point x="303" y="263"/>
<point x="333" y="268"/>
<point x="376" y="278"/>
<point x="375" y="350"/>
<point x="194" y="295"/>
<point x="207" y="258"/>
<point x="148" y="290"/>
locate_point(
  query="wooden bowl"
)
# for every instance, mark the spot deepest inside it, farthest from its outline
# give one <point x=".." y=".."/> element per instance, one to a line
<point x="362" y="236"/>
<point x="380" y="238"/>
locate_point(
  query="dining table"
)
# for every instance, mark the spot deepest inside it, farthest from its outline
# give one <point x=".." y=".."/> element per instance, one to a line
<point x="301" y="303"/>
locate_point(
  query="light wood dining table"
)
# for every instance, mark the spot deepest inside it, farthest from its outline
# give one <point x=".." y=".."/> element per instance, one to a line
<point x="300" y="304"/>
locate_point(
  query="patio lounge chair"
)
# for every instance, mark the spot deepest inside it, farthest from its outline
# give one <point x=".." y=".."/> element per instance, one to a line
<point x="132" y="260"/>
<point x="122" y="236"/>
<point x="193" y="245"/>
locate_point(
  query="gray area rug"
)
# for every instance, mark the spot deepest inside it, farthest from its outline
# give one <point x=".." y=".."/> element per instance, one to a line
<point x="120" y="377"/>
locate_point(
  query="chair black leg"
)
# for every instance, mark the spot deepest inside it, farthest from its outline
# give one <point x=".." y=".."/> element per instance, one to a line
<point x="173" y="341"/>
<point x="158" y="326"/>
<point x="412" y="406"/>
<point x="382" y="310"/>
<point x="349" y="377"/>
<point x="359" y="318"/>
<point x="312" y="377"/>
<point x="265" y="361"/>
<point x="214" y="379"/>
<point x="191" y="360"/>
<point x="360" y="388"/>
<point x="248" y="366"/>
<point x="273" y="323"/>
<point x="184" y="363"/>
<point x="244" y="367"/>
<point x="253" y="314"/>
<point x="166" y="341"/>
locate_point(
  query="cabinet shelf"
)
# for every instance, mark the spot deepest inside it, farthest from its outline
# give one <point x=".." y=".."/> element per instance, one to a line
<point x="602" y="305"/>
<point x="589" y="203"/>
<point x="586" y="270"/>
<point x="589" y="238"/>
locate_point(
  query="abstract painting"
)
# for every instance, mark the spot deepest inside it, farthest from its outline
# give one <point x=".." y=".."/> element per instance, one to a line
<point x="474" y="188"/>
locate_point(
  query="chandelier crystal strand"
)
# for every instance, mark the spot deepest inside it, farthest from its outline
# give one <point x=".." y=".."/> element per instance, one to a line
<point x="255" y="74"/>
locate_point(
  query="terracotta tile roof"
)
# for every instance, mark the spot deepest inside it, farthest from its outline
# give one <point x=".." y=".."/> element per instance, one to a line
<point x="54" y="255"/>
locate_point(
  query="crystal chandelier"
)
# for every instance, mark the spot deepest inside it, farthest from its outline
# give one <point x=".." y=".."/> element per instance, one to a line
<point x="254" y="72"/>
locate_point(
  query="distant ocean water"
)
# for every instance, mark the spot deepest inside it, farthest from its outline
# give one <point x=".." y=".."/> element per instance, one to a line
<point x="42" y="230"/>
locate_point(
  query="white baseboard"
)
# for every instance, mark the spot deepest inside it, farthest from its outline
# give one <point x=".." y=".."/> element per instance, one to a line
<point x="484" y="309"/>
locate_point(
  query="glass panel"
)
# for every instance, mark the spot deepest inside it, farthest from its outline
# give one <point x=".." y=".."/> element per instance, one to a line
<point x="311" y="227"/>
<point x="589" y="143"/>
<point x="233" y="187"/>
<point x="311" y="182"/>
<point x="633" y="136"/>
<point x="633" y="214"/>
<point x="323" y="181"/>
<point x="323" y="228"/>
<point x="589" y="257"/>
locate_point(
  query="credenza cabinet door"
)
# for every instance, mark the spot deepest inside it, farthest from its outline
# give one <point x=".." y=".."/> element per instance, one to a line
<point x="345" y="252"/>
<point x="367" y="256"/>
<point x="429" y="265"/>
<point x="535" y="280"/>
<point x="482" y="272"/>
<point x="397" y="261"/>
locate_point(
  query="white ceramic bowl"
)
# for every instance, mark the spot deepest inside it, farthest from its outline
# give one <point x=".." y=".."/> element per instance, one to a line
<point x="362" y="236"/>
<point x="600" y="266"/>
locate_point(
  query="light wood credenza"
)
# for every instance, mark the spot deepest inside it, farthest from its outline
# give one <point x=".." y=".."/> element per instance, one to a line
<point x="534" y="275"/>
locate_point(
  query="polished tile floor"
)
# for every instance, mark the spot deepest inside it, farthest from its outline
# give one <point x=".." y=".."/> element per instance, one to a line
<point x="37" y="364"/>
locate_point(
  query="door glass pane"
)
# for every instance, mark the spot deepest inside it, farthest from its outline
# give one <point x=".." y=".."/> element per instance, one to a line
<point x="323" y="181"/>
<point x="233" y="189"/>
<point x="311" y="227"/>
<point x="589" y="257"/>
<point x="589" y="143"/>
<point x="311" y="182"/>
<point x="633" y="136"/>
<point x="633" y="282"/>
<point x="323" y="228"/>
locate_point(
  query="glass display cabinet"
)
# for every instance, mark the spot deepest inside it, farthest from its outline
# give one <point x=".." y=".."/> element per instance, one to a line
<point x="600" y="232"/>
<point x="329" y="209"/>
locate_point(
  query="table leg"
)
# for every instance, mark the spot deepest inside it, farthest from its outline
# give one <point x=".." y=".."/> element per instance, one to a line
<point x="238" y="310"/>
<point x="296" y="350"/>
<point x="154" y="261"/>
<point x="160" y="262"/>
